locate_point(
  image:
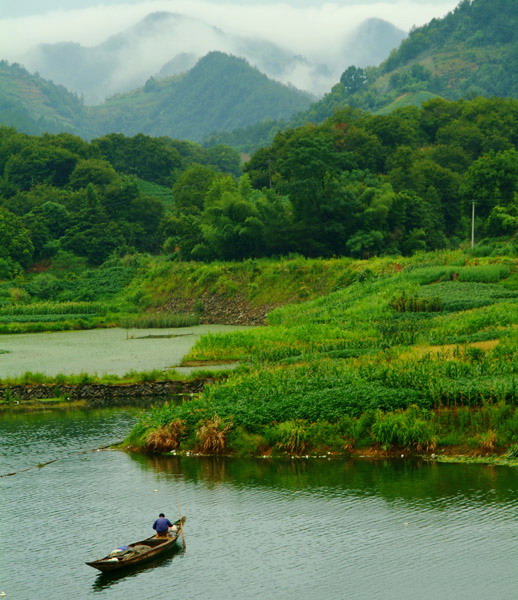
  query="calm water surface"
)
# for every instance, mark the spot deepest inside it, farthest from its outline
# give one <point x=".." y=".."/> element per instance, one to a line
<point x="257" y="529"/>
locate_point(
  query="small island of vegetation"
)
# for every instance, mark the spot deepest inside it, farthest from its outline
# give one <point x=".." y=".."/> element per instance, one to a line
<point x="412" y="355"/>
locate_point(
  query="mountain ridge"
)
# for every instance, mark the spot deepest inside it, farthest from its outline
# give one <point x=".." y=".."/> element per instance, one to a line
<point x="125" y="60"/>
<point x="220" y="91"/>
<point x="472" y="51"/>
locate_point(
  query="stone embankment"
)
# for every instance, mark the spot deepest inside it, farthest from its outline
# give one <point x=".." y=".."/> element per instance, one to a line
<point x="100" y="394"/>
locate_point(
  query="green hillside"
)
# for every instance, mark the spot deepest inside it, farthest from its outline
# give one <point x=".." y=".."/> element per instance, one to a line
<point x="472" y="51"/>
<point x="34" y="105"/>
<point x="220" y="93"/>
<point x="407" y="99"/>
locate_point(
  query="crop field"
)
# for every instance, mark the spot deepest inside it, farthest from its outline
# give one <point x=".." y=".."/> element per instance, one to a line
<point x="379" y="346"/>
<point x="51" y="316"/>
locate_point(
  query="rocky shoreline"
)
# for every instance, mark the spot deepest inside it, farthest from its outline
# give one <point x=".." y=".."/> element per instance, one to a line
<point x="101" y="394"/>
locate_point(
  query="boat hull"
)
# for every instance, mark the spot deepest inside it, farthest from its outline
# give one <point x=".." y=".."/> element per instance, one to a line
<point x="157" y="546"/>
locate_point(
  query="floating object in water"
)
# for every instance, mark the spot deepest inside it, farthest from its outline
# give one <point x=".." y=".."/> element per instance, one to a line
<point x="155" y="490"/>
<point x="405" y="524"/>
<point x="140" y="551"/>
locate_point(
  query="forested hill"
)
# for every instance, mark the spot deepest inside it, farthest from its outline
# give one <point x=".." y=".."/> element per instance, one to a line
<point x="220" y="93"/>
<point x="472" y="51"/>
<point x="35" y="105"/>
<point x="358" y="185"/>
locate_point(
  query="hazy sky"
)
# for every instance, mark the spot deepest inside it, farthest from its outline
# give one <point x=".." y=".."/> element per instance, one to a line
<point x="305" y="26"/>
<point x="17" y="8"/>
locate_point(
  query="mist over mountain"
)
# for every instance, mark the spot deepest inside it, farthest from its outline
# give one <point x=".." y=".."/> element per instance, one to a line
<point x="221" y="92"/>
<point x="160" y="85"/>
<point x="371" y="43"/>
<point x="165" y="43"/>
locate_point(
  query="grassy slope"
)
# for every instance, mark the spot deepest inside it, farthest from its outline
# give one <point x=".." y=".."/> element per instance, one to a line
<point x="406" y="99"/>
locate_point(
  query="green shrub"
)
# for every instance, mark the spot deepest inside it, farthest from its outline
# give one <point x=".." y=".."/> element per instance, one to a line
<point x="404" y="303"/>
<point x="323" y="435"/>
<point x="244" y="443"/>
<point x="405" y="429"/>
<point x="290" y="436"/>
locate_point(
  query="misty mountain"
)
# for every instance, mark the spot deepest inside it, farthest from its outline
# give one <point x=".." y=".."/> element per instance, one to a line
<point x="179" y="64"/>
<point x="221" y="92"/>
<point x="472" y="51"/>
<point x="161" y="44"/>
<point x="165" y="44"/>
<point x="371" y="43"/>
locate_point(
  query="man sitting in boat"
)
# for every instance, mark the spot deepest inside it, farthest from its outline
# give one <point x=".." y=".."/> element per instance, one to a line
<point x="161" y="525"/>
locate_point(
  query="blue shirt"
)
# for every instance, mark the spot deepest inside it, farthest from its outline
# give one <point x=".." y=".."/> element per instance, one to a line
<point x="162" y="524"/>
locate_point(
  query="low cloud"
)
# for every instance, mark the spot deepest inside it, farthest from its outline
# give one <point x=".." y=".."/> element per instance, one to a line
<point x="315" y="32"/>
<point x="309" y="30"/>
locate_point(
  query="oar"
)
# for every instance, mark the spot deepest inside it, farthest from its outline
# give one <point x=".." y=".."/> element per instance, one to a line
<point x="181" y="526"/>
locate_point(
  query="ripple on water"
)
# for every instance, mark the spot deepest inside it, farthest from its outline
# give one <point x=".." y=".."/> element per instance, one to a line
<point x="259" y="529"/>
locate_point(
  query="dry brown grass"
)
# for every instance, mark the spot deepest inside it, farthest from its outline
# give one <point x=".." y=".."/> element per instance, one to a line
<point x="212" y="435"/>
<point x="166" y="438"/>
<point x="447" y="351"/>
<point x="488" y="441"/>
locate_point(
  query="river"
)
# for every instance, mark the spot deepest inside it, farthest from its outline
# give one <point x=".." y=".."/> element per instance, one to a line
<point x="256" y="529"/>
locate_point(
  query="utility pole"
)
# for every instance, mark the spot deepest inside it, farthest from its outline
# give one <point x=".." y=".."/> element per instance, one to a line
<point x="472" y="223"/>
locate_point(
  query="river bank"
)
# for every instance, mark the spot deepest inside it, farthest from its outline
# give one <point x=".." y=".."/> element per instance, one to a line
<point x="417" y="354"/>
<point x="384" y="512"/>
<point x="457" y="455"/>
<point x="96" y="394"/>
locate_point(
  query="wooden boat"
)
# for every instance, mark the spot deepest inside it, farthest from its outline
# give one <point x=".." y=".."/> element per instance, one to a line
<point x="138" y="552"/>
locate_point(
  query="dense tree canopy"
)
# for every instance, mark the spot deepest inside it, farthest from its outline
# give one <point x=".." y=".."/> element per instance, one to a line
<point x="59" y="193"/>
<point x="357" y="185"/>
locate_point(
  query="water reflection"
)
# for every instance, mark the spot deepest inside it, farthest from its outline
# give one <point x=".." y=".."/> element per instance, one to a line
<point x="108" y="580"/>
<point x="415" y="481"/>
<point x="29" y="439"/>
<point x="396" y="530"/>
